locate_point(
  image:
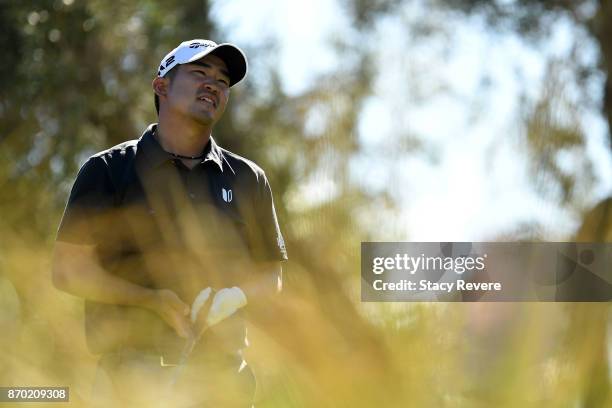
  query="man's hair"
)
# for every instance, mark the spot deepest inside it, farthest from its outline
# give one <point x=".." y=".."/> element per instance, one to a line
<point x="170" y="75"/>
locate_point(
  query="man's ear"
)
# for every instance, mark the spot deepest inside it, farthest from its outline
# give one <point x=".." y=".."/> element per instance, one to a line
<point x="160" y="86"/>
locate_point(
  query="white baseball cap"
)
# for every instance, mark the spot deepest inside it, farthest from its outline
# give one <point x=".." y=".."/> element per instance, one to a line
<point x="192" y="50"/>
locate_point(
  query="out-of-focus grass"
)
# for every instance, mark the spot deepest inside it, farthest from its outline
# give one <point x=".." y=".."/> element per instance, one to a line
<point x="43" y="335"/>
<point x="396" y="355"/>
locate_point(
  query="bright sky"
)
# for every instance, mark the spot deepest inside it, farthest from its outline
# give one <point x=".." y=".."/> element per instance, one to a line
<point x="474" y="182"/>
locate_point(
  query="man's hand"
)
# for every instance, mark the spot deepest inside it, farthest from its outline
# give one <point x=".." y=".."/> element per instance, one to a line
<point x="173" y="311"/>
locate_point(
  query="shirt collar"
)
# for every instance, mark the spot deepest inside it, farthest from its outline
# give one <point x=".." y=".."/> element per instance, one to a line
<point x="154" y="155"/>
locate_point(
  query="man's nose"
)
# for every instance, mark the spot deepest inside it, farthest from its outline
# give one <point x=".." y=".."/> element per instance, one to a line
<point x="211" y="86"/>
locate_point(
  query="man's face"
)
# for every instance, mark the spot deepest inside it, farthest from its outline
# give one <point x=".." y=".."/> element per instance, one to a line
<point x="199" y="90"/>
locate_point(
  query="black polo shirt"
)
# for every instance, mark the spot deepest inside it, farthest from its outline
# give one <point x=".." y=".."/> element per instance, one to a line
<point x="156" y="223"/>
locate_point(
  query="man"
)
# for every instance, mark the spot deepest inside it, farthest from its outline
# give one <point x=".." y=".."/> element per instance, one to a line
<point x="152" y="222"/>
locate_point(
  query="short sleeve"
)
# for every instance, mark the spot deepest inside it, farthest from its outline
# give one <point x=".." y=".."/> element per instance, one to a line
<point x="90" y="199"/>
<point x="268" y="242"/>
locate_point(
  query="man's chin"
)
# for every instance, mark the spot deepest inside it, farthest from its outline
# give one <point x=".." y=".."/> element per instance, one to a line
<point x="204" y="118"/>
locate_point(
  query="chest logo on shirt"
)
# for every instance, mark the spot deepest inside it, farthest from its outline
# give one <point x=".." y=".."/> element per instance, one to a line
<point x="227" y="195"/>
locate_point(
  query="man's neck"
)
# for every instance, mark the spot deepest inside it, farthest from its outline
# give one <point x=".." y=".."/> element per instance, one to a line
<point x="181" y="138"/>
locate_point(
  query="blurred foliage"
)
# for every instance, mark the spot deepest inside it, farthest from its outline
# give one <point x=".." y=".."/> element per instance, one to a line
<point x="553" y="130"/>
<point x="77" y="80"/>
<point x="551" y="125"/>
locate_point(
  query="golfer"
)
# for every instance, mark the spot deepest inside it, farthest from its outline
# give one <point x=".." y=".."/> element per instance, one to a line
<point x="155" y="224"/>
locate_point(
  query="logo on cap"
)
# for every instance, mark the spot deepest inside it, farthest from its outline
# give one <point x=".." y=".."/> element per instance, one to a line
<point x="199" y="44"/>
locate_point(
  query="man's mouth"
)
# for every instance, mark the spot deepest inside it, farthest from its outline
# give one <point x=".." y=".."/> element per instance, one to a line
<point x="209" y="100"/>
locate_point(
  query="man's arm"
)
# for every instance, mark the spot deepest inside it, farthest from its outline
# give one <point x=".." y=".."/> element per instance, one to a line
<point x="77" y="271"/>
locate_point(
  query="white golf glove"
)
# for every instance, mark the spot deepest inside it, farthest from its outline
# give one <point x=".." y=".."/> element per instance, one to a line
<point x="225" y="303"/>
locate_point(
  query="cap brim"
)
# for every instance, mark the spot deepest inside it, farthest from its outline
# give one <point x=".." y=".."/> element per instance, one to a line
<point x="234" y="59"/>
